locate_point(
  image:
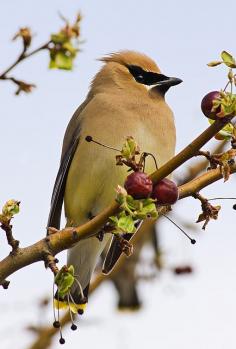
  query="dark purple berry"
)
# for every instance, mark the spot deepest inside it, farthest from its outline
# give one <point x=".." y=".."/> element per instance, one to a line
<point x="207" y="104"/>
<point x="56" y="324"/>
<point x="183" y="270"/>
<point x="165" y="192"/>
<point x="62" y="340"/>
<point x="138" y="185"/>
<point x="88" y="138"/>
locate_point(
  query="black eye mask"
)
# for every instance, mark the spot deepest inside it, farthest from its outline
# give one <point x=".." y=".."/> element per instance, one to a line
<point x="144" y="77"/>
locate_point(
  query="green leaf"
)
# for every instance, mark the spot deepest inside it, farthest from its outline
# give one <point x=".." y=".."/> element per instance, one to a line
<point x="150" y="209"/>
<point x="132" y="203"/>
<point x="130" y="148"/>
<point x="228" y="59"/>
<point x="231" y="75"/>
<point x="148" y="201"/>
<point x="52" y="64"/>
<point x="126" y="224"/>
<point x="64" y="280"/>
<point x="214" y="63"/>
<point x="227" y="104"/>
<point x="11" y="208"/>
<point x="67" y="46"/>
<point x="59" y="38"/>
<point x="60" y="60"/>
<point x="114" y="219"/>
<point x="65" y="285"/>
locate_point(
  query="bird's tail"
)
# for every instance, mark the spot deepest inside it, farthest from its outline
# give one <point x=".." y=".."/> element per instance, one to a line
<point x="83" y="257"/>
<point x="75" y="301"/>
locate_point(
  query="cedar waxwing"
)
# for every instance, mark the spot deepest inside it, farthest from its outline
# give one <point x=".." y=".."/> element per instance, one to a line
<point x="126" y="98"/>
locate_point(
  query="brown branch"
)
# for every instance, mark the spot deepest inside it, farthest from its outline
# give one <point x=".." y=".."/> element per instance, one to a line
<point x="22" y="85"/>
<point x="43" y="341"/>
<point x="191" y="150"/>
<point x="50" y="262"/>
<point x="66" y="238"/>
<point x="7" y="227"/>
<point x="22" y="57"/>
<point x="199" y="166"/>
<point x="197" y="184"/>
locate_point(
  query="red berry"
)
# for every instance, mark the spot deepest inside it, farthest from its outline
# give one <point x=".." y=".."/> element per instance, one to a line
<point x="207" y="104"/>
<point x="165" y="192"/>
<point x="138" y="185"/>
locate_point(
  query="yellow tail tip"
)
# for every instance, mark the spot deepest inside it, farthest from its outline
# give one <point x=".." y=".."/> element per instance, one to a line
<point x="75" y="308"/>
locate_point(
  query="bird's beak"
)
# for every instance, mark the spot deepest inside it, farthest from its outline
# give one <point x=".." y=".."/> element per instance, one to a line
<point x="163" y="83"/>
<point x="169" y="81"/>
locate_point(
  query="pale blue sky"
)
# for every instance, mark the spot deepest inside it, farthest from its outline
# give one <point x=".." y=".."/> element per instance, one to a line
<point x="181" y="37"/>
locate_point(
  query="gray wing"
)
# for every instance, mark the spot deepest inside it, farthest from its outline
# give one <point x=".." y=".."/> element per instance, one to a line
<point x="115" y="251"/>
<point x="70" y="144"/>
<point x="60" y="183"/>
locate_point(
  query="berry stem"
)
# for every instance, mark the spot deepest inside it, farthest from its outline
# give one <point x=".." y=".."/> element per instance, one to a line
<point x="193" y="241"/>
<point x="90" y="139"/>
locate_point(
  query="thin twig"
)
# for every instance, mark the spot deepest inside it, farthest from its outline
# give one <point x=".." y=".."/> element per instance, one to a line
<point x="50" y="262"/>
<point x="22" y="57"/>
<point x="190" y="151"/>
<point x="10" y="239"/>
<point x="212" y="199"/>
<point x="198" y="167"/>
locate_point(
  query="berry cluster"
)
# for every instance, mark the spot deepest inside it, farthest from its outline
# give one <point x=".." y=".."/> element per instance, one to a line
<point x="139" y="186"/>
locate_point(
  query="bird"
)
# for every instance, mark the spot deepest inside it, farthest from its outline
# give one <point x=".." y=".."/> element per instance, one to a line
<point x="126" y="98"/>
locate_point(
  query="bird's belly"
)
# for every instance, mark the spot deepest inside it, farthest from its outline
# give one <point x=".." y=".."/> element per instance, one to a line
<point x="94" y="175"/>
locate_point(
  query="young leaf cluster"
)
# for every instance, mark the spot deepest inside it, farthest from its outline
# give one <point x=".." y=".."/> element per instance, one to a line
<point x="131" y="212"/>
<point x="64" y="280"/>
<point x="10" y="208"/>
<point x="65" y="46"/>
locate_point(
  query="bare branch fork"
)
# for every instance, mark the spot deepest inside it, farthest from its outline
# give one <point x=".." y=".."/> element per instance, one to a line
<point x="10" y="239"/>
<point x="24" y="55"/>
<point x="63" y="43"/>
<point x="47" y="248"/>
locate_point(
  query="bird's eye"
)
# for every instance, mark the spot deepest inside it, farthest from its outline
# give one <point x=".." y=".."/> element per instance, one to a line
<point x="137" y="72"/>
<point x="139" y="78"/>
